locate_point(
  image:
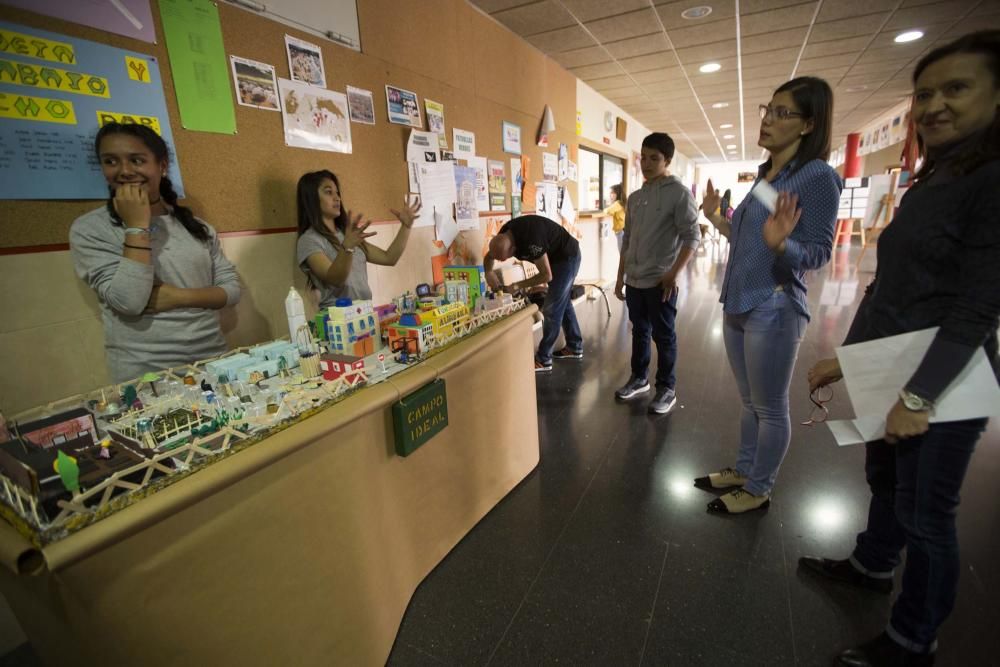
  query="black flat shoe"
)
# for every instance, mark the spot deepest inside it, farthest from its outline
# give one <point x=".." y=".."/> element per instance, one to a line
<point x="884" y="652"/>
<point x="842" y="571"/>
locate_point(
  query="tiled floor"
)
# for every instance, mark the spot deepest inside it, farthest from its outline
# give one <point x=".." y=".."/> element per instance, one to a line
<point x="605" y="554"/>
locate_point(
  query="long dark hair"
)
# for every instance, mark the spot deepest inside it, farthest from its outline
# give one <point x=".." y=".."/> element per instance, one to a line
<point x="158" y="147"/>
<point x="814" y="98"/>
<point x="620" y="193"/>
<point x="987" y="44"/>
<point x="307" y="204"/>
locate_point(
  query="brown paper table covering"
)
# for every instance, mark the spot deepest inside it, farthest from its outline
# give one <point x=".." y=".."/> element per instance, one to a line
<point x="303" y="549"/>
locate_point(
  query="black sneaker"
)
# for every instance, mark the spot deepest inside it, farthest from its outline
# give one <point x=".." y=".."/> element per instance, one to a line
<point x="663" y="402"/>
<point x="542" y="368"/>
<point x="845" y="573"/>
<point x="567" y="353"/>
<point x="633" y="387"/>
<point x="884" y="651"/>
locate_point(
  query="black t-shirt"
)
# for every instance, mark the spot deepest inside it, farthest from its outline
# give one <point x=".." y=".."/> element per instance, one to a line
<point x="535" y="235"/>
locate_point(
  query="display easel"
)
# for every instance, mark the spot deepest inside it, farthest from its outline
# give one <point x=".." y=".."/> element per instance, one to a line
<point x="882" y="217"/>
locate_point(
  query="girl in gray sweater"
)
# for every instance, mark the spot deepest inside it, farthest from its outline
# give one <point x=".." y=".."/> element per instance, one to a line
<point x="158" y="270"/>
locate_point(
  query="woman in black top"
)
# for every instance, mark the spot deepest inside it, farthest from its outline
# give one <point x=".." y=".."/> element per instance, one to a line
<point x="938" y="266"/>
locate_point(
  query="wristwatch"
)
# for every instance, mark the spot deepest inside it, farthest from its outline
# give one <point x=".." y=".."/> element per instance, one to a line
<point x="914" y="403"/>
<point x="350" y="250"/>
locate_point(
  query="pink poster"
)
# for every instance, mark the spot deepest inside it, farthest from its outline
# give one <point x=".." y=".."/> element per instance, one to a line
<point x="132" y="18"/>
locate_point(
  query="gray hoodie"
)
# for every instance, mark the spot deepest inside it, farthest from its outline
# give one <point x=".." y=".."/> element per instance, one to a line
<point x="661" y="218"/>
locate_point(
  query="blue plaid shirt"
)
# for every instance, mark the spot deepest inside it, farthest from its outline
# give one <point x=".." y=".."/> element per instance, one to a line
<point x="754" y="271"/>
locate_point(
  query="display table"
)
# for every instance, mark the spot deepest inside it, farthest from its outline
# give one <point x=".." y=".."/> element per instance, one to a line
<point x="303" y="549"/>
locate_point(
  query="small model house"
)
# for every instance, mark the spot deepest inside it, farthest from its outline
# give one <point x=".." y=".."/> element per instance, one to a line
<point x="334" y="366"/>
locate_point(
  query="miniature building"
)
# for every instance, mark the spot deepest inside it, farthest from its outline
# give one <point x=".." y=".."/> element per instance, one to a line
<point x="473" y="276"/>
<point x="276" y="351"/>
<point x="386" y="314"/>
<point x="352" y="327"/>
<point x="444" y="319"/>
<point x="493" y="301"/>
<point x="334" y="366"/>
<point x="457" y="291"/>
<point x="412" y="331"/>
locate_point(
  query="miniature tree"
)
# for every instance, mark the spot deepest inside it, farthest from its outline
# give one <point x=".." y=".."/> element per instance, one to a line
<point x="68" y="471"/>
<point x="130" y="396"/>
<point x="151" y="378"/>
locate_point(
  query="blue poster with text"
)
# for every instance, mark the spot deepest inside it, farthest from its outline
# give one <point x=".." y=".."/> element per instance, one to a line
<point x="55" y="92"/>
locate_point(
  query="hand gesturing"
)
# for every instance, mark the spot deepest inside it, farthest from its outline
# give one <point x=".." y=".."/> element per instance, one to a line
<point x="355" y="233"/>
<point x="780" y="224"/>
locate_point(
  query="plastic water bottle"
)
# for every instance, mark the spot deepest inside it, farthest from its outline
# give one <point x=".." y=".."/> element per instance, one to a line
<point x="296" y="312"/>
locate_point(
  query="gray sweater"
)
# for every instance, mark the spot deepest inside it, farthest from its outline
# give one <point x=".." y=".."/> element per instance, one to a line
<point x="355" y="287"/>
<point x="661" y="218"/>
<point x="136" y="342"/>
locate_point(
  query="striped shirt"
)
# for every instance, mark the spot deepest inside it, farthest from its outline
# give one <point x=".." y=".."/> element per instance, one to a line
<point x="754" y="271"/>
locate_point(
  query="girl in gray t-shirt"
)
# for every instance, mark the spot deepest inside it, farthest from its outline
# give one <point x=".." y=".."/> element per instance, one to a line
<point x="330" y="237"/>
<point x="158" y="271"/>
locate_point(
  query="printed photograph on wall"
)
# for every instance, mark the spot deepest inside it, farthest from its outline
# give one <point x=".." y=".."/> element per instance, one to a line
<point x="361" y="105"/>
<point x="314" y="117"/>
<point x="305" y="62"/>
<point x="255" y="84"/>
<point x="435" y="120"/>
<point x="402" y="107"/>
<point x="746" y="177"/>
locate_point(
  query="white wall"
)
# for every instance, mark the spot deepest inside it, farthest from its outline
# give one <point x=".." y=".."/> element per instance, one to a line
<point x="724" y="176"/>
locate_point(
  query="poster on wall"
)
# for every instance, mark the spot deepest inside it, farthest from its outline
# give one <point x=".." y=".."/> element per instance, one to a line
<point x="482" y="181"/>
<point x="550" y="166"/>
<point x="435" y="120"/>
<point x="48" y="121"/>
<point x="198" y="64"/>
<point x="255" y="84"/>
<point x="402" y="107"/>
<point x="466" y="210"/>
<point x="563" y="162"/>
<point x="314" y="117"/>
<point x="361" y="105"/>
<point x="516" y="177"/>
<point x="547" y="200"/>
<point x="511" y="138"/>
<point x="465" y="143"/>
<point x="132" y="18"/>
<point x="305" y="62"/>
<point x="746" y="177"/>
<point x="498" y="185"/>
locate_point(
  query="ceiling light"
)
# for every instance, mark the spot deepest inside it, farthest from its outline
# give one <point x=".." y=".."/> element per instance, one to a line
<point x="725" y="126"/>
<point x="908" y="36"/>
<point x="699" y="12"/>
<point x="708" y="68"/>
<point x="731" y="147"/>
<point x="729" y="136"/>
<point x="720" y="105"/>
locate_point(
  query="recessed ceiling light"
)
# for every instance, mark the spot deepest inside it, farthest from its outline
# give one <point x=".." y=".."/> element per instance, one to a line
<point x="720" y="105"/>
<point x="908" y="36"/>
<point x="729" y="136"/>
<point x="725" y="126"/>
<point x="708" y="68"/>
<point x="699" y="12"/>
<point x="731" y="147"/>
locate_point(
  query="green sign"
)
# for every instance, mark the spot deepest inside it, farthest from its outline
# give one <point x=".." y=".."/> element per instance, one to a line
<point x="419" y="417"/>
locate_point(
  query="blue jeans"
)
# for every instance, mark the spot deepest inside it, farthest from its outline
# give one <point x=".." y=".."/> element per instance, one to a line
<point x="915" y="488"/>
<point x="651" y="315"/>
<point x="762" y="346"/>
<point x="558" y="311"/>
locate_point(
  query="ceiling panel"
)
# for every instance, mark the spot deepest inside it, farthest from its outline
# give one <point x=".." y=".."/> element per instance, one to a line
<point x="624" y="26"/>
<point x="777" y="19"/>
<point x="597" y="71"/>
<point x="657" y="75"/>
<point x="580" y="57"/>
<point x="842" y="9"/>
<point x="767" y="41"/>
<point x="836" y="47"/>
<point x="638" y="46"/>
<point x="705" y="52"/>
<point x="536" y="17"/>
<point x="703" y="33"/>
<point x="591" y="10"/>
<point x="670" y="12"/>
<point x="756" y="6"/>
<point x="564" y="39"/>
<point x="658" y="61"/>
<point x="772" y="57"/>
<point x="848" y="28"/>
<point x="938" y="12"/>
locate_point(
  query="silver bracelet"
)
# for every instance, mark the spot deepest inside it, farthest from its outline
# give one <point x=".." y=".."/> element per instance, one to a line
<point x="132" y="231"/>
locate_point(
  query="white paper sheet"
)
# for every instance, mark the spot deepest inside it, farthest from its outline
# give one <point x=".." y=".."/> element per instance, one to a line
<point x="422" y="147"/>
<point x="566" y="210"/>
<point x="445" y="229"/>
<point x="766" y="195"/>
<point x="547" y="200"/>
<point x="550" y="166"/>
<point x="466" y="212"/>
<point x="464" y="143"/>
<point x="875" y="371"/>
<point x="437" y="190"/>
<point x="516" y="178"/>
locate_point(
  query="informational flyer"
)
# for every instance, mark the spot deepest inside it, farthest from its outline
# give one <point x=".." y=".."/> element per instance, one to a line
<point x="563" y="162"/>
<point x="362" y="105"/>
<point x="511" y="138"/>
<point x="255" y="84"/>
<point x="482" y="180"/>
<point x="435" y="120"/>
<point x="198" y="64"/>
<point x="550" y="166"/>
<point x="402" y="107"/>
<point x="464" y="144"/>
<point x="516" y="177"/>
<point x="48" y="120"/>
<point x="305" y="62"/>
<point x="547" y="200"/>
<point x="498" y="185"/>
<point x="314" y="117"/>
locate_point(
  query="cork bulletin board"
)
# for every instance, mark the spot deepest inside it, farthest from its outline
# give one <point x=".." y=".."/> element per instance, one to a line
<point x="482" y="73"/>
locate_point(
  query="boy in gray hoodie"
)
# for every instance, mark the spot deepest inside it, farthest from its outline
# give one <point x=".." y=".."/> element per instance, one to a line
<point x="661" y="235"/>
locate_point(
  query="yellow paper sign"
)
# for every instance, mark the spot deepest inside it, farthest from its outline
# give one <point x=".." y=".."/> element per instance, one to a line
<point x="36" y="47"/>
<point x="105" y="117"/>
<point x="26" y="107"/>
<point x="138" y="69"/>
<point x="52" y="78"/>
